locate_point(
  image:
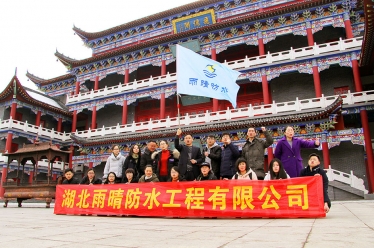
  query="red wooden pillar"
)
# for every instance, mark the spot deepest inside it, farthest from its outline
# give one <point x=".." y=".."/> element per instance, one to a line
<point x="348" y="26"/>
<point x="163" y="66"/>
<point x="54" y="177"/>
<point x="71" y="156"/>
<point x="316" y="79"/>
<point x="162" y="105"/>
<point x="270" y="154"/>
<point x="356" y="73"/>
<point x="368" y="148"/>
<point x="96" y="85"/>
<point x="13" y="110"/>
<point x="213" y="56"/>
<point x="325" y="152"/>
<point x="31" y="177"/>
<point x="261" y="46"/>
<point x="4" y="173"/>
<point x="340" y="122"/>
<point x="127" y="75"/>
<point x="124" y="112"/>
<point x="265" y="87"/>
<point x="93" y="118"/>
<point x="309" y="34"/>
<point x="74" y="124"/>
<point x="38" y="115"/>
<point x="77" y="87"/>
<point x="59" y="125"/>
<point x="8" y="144"/>
<point x="90" y="165"/>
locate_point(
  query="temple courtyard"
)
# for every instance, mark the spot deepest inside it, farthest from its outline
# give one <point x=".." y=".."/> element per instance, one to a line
<point x="349" y="224"/>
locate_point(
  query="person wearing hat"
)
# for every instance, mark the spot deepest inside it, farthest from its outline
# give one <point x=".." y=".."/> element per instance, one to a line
<point x="206" y="172"/>
<point x="313" y="169"/>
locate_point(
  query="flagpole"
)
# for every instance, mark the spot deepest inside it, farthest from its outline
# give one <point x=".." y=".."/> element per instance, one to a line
<point x="179" y="114"/>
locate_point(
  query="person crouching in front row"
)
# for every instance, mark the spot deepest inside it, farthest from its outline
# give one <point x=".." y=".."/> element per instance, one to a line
<point x="148" y="176"/>
<point x="111" y="178"/>
<point x="175" y="176"/>
<point x="129" y="176"/>
<point x="69" y="177"/>
<point x="243" y="170"/>
<point x="206" y="172"/>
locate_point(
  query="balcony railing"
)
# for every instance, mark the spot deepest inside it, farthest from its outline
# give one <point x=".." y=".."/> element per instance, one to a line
<point x="364" y="97"/>
<point x="292" y="54"/>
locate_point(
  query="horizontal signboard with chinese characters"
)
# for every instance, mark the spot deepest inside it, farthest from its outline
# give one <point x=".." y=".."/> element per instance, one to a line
<point x="198" y="20"/>
<point x="291" y="198"/>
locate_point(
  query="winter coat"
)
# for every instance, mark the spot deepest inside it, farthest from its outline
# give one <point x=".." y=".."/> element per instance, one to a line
<point x="130" y="162"/>
<point x="268" y="177"/>
<point x="229" y="155"/>
<point x="210" y="176"/>
<point x="133" y="180"/>
<point x="215" y="157"/>
<point x="249" y="175"/>
<point x="73" y="180"/>
<point x="317" y="170"/>
<point x="183" y="158"/>
<point x="290" y="157"/>
<point x="254" y="153"/>
<point x="153" y="179"/>
<point x="145" y="160"/>
<point x="95" y="180"/>
<point x="114" y="164"/>
<point x="172" y="161"/>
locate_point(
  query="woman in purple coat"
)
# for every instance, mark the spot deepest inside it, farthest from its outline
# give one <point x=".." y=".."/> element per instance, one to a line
<point x="288" y="151"/>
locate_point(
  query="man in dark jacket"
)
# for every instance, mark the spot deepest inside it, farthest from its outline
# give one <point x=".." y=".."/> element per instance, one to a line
<point x="146" y="158"/>
<point x="230" y="153"/>
<point x="212" y="153"/>
<point x="190" y="157"/>
<point x="254" y="151"/>
<point x="69" y="177"/>
<point x="313" y="169"/>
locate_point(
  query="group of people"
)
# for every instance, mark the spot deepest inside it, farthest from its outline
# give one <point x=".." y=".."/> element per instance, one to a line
<point x="187" y="163"/>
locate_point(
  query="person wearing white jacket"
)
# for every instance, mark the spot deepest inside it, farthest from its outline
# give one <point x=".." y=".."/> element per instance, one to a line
<point x="244" y="171"/>
<point x="114" y="163"/>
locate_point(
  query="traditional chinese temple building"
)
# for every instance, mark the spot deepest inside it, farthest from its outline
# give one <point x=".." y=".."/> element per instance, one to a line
<point x="305" y="63"/>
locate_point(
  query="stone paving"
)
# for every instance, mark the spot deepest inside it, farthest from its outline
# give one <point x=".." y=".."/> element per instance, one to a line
<point x="349" y="224"/>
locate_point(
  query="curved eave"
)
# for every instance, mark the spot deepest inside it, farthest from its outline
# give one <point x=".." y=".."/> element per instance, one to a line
<point x="226" y="23"/>
<point x="144" y="20"/>
<point x="216" y="127"/>
<point x="42" y="82"/>
<point x="21" y="93"/>
<point x="367" y="49"/>
<point x="65" y="60"/>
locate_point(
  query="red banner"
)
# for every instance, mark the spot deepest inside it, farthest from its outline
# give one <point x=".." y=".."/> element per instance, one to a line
<point x="297" y="197"/>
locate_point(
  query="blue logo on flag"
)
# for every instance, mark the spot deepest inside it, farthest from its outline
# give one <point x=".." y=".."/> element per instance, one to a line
<point x="209" y="71"/>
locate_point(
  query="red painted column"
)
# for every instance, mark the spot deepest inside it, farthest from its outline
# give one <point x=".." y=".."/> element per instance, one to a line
<point x="356" y="73"/>
<point x="4" y="173"/>
<point x="163" y="67"/>
<point x="96" y="86"/>
<point x="340" y="122"/>
<point x="368" y="148"/>
<point x="74" y="124"/>
<point x="90" y="165"/>
<point x="38" y="115"/>
<point x="213" y="55"/>
<point x="270" y="154"/>
<point x="348" y="26"/>
<point x="261" y="46"/>
<point x="309" y="34"/>
<point x="59" y="125"/>
<point x="93" y="119"/>
<point x="31" y="177"/>
<point x="13" y="110"/>
<point x="316" y="79"/>
<point x="265" y="87"/>
<point x="124" y="112"/>
<point x="8" y="144"/>
<point x="71" y="156"/>
<point x="77" y="87"/>
<point x="325" y="152"/>
<point x="127" y="75"/>
<point x="54" y="177"/>
<point x="162" y="105"/>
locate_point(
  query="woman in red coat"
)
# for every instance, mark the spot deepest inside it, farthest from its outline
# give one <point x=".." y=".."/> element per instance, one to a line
<point x="288" y="151"/>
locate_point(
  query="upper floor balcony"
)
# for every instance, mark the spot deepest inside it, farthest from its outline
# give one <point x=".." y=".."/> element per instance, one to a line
<point x="240" y="65"/>
<point x="349" y="99"/>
